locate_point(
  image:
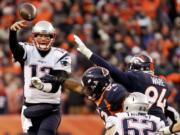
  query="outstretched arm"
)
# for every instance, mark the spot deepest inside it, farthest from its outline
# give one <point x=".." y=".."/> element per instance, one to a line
<point x="81" y="47"/>
<point x="17" y="50"/>
<point x="117" y="75"/>
<point x="73" y="85"/>
<point x="64" y="81"/>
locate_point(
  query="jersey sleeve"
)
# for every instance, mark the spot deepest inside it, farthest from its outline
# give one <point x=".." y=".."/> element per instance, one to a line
<point x="28" y="48"/>
<point x="23" y="45"/>
<point x="117" y="75"/>
<point x="63" y="63"/>
<point x="16" y="49"/>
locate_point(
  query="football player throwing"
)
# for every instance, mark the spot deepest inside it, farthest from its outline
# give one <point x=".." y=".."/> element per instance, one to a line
<point x="41" y="109"/>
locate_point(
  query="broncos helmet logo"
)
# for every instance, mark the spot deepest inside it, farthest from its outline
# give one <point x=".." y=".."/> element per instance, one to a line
<point x="94" y="80"/>
<point x="142" y="62"/>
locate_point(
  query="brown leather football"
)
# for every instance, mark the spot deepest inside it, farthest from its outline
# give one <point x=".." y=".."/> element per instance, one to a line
<point x="27" y="11"/>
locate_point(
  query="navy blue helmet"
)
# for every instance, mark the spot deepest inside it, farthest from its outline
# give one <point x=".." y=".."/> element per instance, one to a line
<point x="142" y="62"/>
<point x="95" y="80"/>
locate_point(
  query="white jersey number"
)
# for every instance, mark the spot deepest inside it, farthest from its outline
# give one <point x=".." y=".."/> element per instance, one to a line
<point x="130" y="126"/>
<point x="155" y="97"/>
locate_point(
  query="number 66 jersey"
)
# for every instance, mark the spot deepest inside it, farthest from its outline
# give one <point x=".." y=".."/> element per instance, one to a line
<point x="128" y="123"/>
<point x="36" y="65"/>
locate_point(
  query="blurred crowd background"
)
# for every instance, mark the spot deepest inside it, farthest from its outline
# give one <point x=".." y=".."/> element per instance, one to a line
<point x="114" y="29"/>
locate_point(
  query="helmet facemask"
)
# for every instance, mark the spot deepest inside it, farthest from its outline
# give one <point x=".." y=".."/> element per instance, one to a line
<point x="43" y="35"/>
<point x="42" y="41"/>
<point x="95" y="80"/>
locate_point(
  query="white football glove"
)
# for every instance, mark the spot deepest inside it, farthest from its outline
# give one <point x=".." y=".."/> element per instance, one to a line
<point x="165" y="130"/>
<point x="82" y="47"/>
<point x="37" y="83"/>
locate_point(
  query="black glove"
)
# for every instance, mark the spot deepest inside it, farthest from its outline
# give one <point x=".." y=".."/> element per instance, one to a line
<point x="52" y="79"/>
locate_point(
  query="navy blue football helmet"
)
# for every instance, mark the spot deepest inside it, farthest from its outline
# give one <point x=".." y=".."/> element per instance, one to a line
<point x="95" y="80"/>
<point x="142" y="62"/>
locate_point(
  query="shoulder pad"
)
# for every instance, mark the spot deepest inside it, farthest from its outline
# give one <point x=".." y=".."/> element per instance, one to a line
<point x="58" y="52"/>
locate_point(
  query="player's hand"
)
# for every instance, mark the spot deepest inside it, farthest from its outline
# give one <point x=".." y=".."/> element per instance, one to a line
<point x="80" y="44"/>
<point x="18" y="25"/>
<point x="165" y="130"/>
<point x="81" y="47"/>
<point x="37" y="83"/>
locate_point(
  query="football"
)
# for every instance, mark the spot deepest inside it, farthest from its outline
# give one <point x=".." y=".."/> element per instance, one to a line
<point x="27" y="11"/>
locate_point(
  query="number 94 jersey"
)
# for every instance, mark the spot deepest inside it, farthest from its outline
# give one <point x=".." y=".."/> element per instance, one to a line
<point x="36" y="65"/>
<point x="135" y="123"/>
<point x="111" y="100"/>
<point x="152" y="86"/>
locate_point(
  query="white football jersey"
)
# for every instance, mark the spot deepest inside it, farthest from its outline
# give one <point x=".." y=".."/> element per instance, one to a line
<point x="134" y="124"/>
<point x="36" y="65"/>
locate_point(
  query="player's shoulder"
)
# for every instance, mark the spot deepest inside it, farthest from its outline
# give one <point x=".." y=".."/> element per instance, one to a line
<point x="137" y="76"/>
<point x="155" y="118"/>
<point x="122" y="115"/>
<point x="26" y="44"/>
<point x="113" y="90"/>
<point x="115" y="87"/>
<point x="59" y="52"/>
